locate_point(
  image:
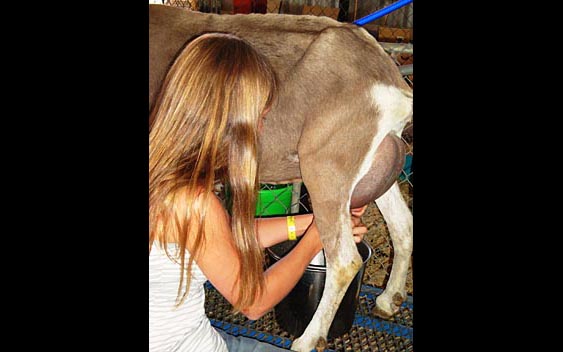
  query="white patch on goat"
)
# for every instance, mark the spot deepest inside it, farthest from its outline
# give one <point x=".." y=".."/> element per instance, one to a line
<point x="399" y="222"/>
<point x="395" y="108"/>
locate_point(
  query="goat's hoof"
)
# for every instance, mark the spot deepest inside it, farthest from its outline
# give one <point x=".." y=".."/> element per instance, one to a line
<point x="385" y="308"/>
<point x="321" y="344"/>
<point x="380" y="313"/>
<point x="302" y="345"/>
<point x="398" y="299"/>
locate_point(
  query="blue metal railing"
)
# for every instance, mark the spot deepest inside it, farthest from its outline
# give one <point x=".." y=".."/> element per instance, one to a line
<point x="380" y="13"/>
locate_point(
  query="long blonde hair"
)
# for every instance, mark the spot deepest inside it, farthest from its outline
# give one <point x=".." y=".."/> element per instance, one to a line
<point x="204" y="130"/>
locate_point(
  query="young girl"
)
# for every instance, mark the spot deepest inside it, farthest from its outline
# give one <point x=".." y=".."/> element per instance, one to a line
<point x="205" y="129"/>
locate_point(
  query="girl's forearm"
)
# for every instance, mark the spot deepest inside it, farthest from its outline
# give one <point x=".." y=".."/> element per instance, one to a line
<point x="271" y="231"/>
<point x="282" y="276"/>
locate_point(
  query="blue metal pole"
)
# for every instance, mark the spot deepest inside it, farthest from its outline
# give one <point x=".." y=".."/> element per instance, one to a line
<point x="380" y="13"/>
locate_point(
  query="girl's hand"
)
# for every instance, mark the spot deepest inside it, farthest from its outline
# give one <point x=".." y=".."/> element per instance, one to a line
<point x="359" y="211"/>
<point x="358" y="228"/>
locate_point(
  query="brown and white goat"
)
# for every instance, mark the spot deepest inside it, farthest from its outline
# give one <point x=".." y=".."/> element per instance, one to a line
<point x="336" y="125"/>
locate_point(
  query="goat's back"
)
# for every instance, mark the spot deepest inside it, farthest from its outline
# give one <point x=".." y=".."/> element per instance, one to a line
<point x="323" y="65"/>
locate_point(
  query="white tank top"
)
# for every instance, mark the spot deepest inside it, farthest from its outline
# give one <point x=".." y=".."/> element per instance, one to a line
<point x="185" y="328"/>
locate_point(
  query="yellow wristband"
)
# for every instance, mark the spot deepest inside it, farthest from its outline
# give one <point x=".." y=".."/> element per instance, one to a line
<point x="291" y="235"/>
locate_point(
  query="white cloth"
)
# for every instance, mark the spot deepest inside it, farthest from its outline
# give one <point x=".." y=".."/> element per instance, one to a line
<point x="185" y="328"/>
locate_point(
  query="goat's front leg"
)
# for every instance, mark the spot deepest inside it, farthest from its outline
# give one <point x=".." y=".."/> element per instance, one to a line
<point x="399" y="222"/>
<point x="342" y="264"/>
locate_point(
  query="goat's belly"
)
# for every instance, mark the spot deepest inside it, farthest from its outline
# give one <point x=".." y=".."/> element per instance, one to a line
<point x="385" y="168"/>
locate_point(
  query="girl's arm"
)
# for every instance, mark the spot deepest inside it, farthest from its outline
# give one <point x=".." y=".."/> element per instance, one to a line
<point x="220" y="264"/>
<point x="271" y="231"/>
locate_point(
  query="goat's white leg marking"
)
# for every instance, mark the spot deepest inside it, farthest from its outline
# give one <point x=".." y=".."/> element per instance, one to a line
<point x="399" y="222"/>
<point x="343" y="263"/>
<point x="396" y="109"/>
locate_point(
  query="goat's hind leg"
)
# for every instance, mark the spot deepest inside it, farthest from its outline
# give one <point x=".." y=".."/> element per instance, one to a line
<point x="330" y="183"/>
<point x="342" y="264"/>
<point x="399" y="222"/>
